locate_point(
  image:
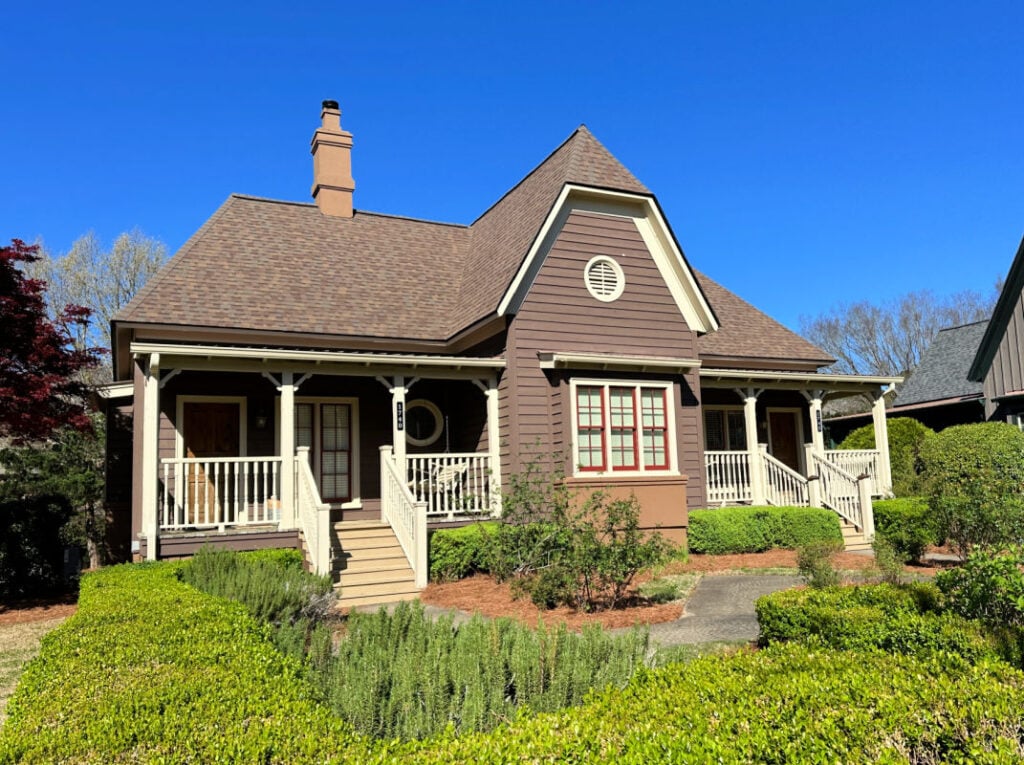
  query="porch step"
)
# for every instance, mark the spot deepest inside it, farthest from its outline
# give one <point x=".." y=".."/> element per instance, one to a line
<point x="853" y="538"/>
<point x="370" y="566"/>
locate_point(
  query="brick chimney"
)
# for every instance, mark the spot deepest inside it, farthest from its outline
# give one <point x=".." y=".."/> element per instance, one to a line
<point x="332" y="164"/>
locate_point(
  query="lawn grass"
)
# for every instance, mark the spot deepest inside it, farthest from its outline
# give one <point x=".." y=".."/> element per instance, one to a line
<point x="19" y="644"/>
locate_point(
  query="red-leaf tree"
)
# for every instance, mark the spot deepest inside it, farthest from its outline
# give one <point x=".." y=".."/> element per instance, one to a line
<point x="41" y="389"/>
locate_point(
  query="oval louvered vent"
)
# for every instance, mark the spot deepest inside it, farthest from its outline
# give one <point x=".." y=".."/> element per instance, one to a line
<point x="604" y="278"/>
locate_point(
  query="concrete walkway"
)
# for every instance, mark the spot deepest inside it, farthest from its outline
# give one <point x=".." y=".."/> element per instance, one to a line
<point x="721" y="609"/>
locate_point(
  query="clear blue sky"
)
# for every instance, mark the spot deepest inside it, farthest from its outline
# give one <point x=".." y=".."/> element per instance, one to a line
<point x="806" y="153"/>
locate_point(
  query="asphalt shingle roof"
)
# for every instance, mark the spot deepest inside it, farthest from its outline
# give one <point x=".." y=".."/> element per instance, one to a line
<point x="942" y="373"/>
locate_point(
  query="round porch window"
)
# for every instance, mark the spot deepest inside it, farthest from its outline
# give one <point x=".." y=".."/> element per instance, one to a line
<point x="423" y="422"/>
<point x="604" y="278"/>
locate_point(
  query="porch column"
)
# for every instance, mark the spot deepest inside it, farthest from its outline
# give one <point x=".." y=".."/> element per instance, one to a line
<point x="398" y="391"/>
<point x="882" y="444"/>
<point x="749" y="395"/>
<point x="150" y="453"/>
<point x="814" y="398"/>
<point x="288" y="509"/>
<point x="494" y="445"/>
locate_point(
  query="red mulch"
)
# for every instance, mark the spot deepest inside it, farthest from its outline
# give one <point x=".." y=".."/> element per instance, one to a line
<point x="37" y="610"/>
<point x="482" y="594"/>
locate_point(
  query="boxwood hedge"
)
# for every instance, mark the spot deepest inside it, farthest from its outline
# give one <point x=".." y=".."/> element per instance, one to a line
<point x="151" y="670"/>
<point x="756" y="529"/>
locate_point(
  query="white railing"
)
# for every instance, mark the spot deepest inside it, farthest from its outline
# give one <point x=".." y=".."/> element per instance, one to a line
<point x="406" y="515"/>
<point x="452" y="485"/>
<point x="857" y="462"/>
<point x="783" y="486"/>
<point x="314" y="515"/>
<point x="728" y="477"/>
<point x="219" y="492"/>
<point x="840" y="491"/>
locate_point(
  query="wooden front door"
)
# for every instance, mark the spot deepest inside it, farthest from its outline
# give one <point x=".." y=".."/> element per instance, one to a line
<point x="210" y="430"/>
<point x="785" y="441"/>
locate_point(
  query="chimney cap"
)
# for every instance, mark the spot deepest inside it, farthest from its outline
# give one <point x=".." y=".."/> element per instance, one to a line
<point x="330" y="104"/>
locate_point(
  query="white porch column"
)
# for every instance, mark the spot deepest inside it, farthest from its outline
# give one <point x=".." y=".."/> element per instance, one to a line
<point x="494" y="445"/>
<point x="288" y="465"/>
<point x="150" y="453"/>
<point x="753" y="453"/>
<point x="814" y="398"/>
<point x="882" y="444"/>
<point x="398" y="391"/>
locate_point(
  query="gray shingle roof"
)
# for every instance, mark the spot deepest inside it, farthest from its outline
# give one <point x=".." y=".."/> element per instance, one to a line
<point x="942" y="373"/>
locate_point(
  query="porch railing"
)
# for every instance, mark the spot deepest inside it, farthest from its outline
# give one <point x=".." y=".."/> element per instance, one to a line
<point x="857" y="462"/>
<point x="783" y="486"/>
<point x="404" y="513"/>
<point x="221" y="492"/>
<point x="840" y="491"/>
<point x="313" y="513"/>
<point x="728" y="477"/>
<point x="452" y="485"/>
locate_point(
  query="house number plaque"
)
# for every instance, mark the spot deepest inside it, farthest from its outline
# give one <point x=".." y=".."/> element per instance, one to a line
<point x="818" y="413"/>
<point x="400" y="416"/>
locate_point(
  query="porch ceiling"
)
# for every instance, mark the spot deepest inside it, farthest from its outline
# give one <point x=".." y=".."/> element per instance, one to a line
<point x="247" y="358"/>
<point x="831" y="383"/>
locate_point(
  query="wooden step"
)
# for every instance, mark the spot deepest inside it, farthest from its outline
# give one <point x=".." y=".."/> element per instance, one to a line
<point x="361" y="578"/>
<point x="377" y="590"/>
<point x="369" y="565"/>
<point x="362" y="565"/>
<point x="375" y="600"/>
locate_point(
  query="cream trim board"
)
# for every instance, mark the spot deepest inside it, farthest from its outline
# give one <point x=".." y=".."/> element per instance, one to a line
<point x="670" y="422"/>
<point x="798" y="416"/>
<point x="356" y="500"/>
<point x="653" y="230"/>
<point x="179" y="420"/>
<point x="573" y="360"/>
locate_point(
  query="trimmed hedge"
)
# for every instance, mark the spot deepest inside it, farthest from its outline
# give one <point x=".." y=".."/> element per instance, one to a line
<point x="909" y="525"/>
<point x="906" y="439"/>
<point x="152" y="670"/>
<point x="756" y="529"/>
<point x="457" y="553"/>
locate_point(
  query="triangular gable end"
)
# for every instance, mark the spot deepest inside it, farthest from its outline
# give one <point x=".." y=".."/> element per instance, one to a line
<point x="654" y="230"/>
<point x="1002" y="315"/>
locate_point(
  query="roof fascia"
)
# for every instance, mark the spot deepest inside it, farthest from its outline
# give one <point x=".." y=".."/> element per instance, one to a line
<point x="643" y="210"/>
<point x="1001" y="315"/>
<point x="834" y="382"/>
<point x="606" y="361"/>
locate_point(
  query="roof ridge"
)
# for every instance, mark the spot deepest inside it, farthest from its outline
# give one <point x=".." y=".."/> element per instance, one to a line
<point x="270" y="200"/>
<point x="965" y="324"/>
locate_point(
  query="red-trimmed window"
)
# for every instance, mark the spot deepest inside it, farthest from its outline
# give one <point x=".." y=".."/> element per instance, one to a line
<point x="590" y="426"/>
<point x="622" y="427"/>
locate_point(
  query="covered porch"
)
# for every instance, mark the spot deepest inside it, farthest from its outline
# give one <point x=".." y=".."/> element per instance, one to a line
<point x="241" y="444"/>
<point x="764" y="443"/>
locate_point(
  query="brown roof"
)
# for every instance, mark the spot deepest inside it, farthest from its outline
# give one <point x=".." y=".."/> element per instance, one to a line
<point x="746" y="332"/>
<point x="269" y="265"/>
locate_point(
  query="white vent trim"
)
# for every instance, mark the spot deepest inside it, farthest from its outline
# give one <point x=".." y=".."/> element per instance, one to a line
<point x="604" y="278"/>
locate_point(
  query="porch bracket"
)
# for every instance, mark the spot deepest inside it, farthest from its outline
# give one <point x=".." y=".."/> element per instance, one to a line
<point x="273" y="380"/>
<point x="168" y="377"/>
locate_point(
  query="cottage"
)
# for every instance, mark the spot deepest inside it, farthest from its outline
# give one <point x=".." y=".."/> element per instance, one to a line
<point x="316" y="374"/>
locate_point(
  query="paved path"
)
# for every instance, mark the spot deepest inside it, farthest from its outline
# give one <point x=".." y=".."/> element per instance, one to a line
<point x="721" y="608"/>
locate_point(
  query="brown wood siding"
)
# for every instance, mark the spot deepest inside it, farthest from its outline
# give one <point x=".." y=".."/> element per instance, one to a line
<point x="1006" y="373"/>
<point x="172" y="547"/>
<point x="559" y="314"/>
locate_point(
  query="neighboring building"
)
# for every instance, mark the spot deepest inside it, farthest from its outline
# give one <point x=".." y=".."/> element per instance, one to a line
<point x="317" y="373"/>
<point x="999" y="362"/>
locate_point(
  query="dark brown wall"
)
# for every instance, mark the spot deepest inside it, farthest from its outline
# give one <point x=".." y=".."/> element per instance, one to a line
<point x="559" y="314"/>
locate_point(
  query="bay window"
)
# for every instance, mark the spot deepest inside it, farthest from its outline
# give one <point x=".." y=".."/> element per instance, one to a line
<point x="621" y="427"/>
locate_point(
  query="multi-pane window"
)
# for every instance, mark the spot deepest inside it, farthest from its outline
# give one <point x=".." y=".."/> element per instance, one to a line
<point x="622" y="427"/>
<point x="327" y="430"/>
<point x="724" y="429"/>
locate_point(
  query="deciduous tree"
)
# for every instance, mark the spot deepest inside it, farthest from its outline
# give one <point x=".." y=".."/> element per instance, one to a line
<point x="41" y="387"/>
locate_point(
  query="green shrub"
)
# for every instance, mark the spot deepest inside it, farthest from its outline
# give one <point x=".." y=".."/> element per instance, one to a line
<point x="404" y="675"/>
<point x="563" y="547"/>
<point x="33" y="534"/>
<point x="152" y="670"/>
<point x="906" y="439"/>
<point x="815" y="563"/>
<point x="730" y="530"/>
<point x="457" y="553"/>
<point x="909" y="525"/>
<point x="988" y="586"/>
<point x="976" y="481"/>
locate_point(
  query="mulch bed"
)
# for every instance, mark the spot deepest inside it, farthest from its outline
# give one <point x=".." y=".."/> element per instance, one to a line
<point x="38" y="609"/>
<point x="481" y="594"/>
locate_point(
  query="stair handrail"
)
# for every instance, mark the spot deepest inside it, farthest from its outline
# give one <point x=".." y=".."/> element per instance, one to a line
<point x="843" y="493"/>
<point x="314" y="514"/>
<point x="783" y="485"/>
<point x="406" y="516"/>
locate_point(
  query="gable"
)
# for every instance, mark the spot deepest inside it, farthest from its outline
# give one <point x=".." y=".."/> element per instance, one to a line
<point x="999" y="353"/>
<point x="637" y="215"/>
